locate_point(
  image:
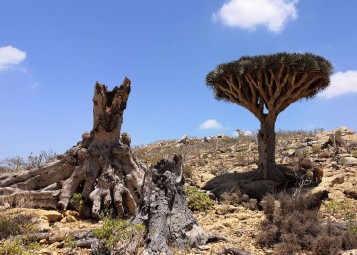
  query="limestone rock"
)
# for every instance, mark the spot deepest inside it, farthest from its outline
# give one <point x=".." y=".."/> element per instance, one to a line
<point x="184" y="140"/>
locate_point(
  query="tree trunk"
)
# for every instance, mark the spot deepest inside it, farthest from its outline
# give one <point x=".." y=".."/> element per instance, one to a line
<point x="107" y="175"/>
<point x="164" y="212"/>
<point x="267" y="169"/>
<point x="100" y="167"/>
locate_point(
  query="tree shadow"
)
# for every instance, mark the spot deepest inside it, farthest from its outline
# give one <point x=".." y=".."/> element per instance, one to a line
<point x="250" y="184"/>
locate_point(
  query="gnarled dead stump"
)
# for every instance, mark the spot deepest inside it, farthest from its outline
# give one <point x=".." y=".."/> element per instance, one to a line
<point x="163" y="210"/>
<point x="100" y="167"/>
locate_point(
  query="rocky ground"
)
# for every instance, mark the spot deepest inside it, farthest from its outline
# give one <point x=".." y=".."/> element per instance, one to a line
<point x="204" y="159"/>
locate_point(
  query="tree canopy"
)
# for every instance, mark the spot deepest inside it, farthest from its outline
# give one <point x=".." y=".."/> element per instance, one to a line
<point x="271" y="81"/>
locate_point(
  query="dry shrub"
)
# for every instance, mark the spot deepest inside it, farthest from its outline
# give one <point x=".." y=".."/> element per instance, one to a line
<point x="327" y="245"/>
<point x="187" y="171"/>
<point x="236" y="197"/>
<point x="232" y="198"/>
<point x="292" y="226"/>
<point x="15" y="224"/>
<point x="16" y="201"/>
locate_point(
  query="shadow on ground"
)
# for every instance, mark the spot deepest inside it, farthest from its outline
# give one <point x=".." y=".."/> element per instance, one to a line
<point x="249" y="184"/>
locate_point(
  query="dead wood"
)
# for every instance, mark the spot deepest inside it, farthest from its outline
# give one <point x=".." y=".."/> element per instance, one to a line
<point x="100" y="167"/>
<point x="164" y="212"/>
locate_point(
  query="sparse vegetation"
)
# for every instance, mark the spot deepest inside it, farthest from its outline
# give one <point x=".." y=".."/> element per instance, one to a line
<point x="119" y="235"/>
<point x="16" y="234"/>
<point x="15" y="224"/>
<point x="18" y="163"/>
<point x="292" y="226"/>
<point x="335" y="227"/>
<point x="196" y="200"/>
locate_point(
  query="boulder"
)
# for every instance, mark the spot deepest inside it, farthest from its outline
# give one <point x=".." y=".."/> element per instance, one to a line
<point x="183" y="140"/>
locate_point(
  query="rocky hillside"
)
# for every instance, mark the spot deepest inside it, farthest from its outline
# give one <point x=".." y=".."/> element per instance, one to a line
<point x="334" y="151"/>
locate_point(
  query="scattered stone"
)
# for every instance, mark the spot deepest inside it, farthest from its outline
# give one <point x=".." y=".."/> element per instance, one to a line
<point x="350" y="252"/>
<point x="288" y="153"/>
<point x="68" y="218"/>
<point x="222" y="136"/>
<point x="337" y="180"/>
<point x="348" y="161"/>
<point x="351" y="193"/>
<point x="51" y="216"/>
<point x="42" y="241"/>
<point x="184" y="140"/>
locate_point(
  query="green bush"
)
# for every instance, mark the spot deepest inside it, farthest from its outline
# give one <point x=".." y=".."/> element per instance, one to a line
<point x="196" y="200"/>
<point x="18" y="246"/>
<point x="119" y="234"/>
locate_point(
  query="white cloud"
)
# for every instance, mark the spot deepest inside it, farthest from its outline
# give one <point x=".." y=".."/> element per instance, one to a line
<point x="211" y="124"/>
<point x="341" y="83"/>
<point x="10" y="56"/>
<point x="248" y="14"/>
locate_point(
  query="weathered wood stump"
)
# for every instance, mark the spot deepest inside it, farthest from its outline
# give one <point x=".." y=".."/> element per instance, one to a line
<point x="100" y="167"/>
<point x="107" y="175"/>
<point x="163" y="210"/>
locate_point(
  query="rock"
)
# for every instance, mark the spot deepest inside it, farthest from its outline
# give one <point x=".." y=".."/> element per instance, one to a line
<point x="348" y="161"/>
<point x="222" y="136"/>
<point x="210" y="195"/>
<point x="52" y="216"/>
<point x="224" y="209"/>
<point x="42" y="241"/>
<point x="350" y="252"/>
<point x="68" y="218"/>
<point x="204" y="247"/>
<point x="42" y="224"/>
<point x="5" y="206"/>
<point x="337" y="180"/>
<point x="46" y="251"/>
<point x="350" y="138"/>
<point x="54" y="246"/>
<point x="351" y="193"/>
<point x="242" y="216"/>
<point x="216" y="226"/>
<point x="57" y="235"/>
<point x="302" y="145"/>
<point x="184" y="140"/>
<point x="310" y="143"/>
<point x="71" y="213"/>
<point x="206" y="139"/>
<point x="288" y="153"/>
<point x="344" y="131"/>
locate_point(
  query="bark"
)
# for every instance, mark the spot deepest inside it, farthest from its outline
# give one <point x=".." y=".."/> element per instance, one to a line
<point x="164" y="212"/>
<point x="103" y="169"/>
<point x="100" y="167"/>
<point x="267" y="169"/>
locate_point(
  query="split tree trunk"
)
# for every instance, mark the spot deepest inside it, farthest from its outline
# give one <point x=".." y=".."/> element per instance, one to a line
<point x="163" y="210"/>
<point x="103" y="169"/>
<point x="100" y="167"/>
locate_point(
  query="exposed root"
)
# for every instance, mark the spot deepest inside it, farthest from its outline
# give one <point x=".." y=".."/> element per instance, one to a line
<point x="104" y="171"/>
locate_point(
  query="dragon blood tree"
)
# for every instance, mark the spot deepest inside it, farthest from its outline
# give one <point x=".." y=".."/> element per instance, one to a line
<point x="266" y="85"/>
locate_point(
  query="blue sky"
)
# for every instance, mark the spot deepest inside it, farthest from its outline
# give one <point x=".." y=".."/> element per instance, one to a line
<point x="53" y="52"/>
